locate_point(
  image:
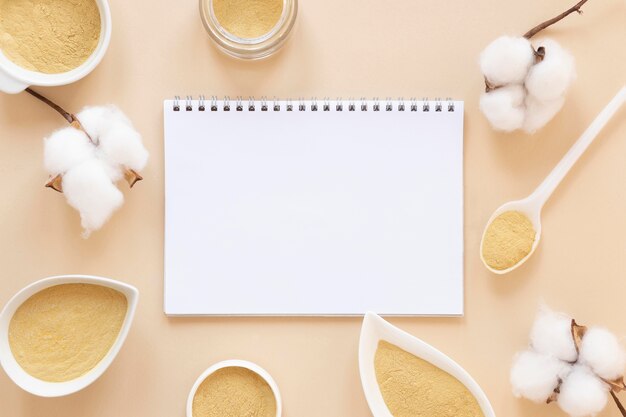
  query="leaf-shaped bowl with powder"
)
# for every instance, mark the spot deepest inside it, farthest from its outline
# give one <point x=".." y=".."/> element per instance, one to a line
<point x="59" y="334"/>
<point x="404" y="376"/>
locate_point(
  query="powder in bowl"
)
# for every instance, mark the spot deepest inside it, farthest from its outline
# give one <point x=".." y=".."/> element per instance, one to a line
<point x="248" y="19"/>
<point x="413" y="387"/>
<point x="508" y="239"/>
<point x="234" y="391"/>
<point x="49" y="36"/>
<point x="64" y="331"/>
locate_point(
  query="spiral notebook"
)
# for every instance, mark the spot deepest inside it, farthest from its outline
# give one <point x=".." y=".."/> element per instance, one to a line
<point x="292" y="207"/>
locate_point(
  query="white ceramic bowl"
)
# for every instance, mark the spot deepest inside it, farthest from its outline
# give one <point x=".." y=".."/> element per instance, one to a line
<point x="240" y="364"/>
<point x="56" y="389"/>
<point x="14" y="79"/>
<point x="376" y="329"/>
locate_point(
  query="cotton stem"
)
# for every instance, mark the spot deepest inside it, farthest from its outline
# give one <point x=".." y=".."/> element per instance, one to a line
<point x="71" y="118"/>
<point x="618" y="404"/>
<point x="576" y="8"/>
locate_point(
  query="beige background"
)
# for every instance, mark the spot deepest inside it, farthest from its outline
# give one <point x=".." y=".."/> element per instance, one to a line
<point x="348" y="48"/>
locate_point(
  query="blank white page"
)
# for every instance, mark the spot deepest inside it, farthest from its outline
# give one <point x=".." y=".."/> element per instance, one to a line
<point x="313" y="212"/>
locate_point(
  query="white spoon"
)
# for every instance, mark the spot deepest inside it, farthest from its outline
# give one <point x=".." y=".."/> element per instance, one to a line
<point x="531" y="206"/>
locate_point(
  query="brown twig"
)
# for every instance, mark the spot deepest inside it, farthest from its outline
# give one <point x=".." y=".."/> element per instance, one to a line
<point x="67" y="115"/>
<point x="618" y="404"/>
<point x="576" y="8"/>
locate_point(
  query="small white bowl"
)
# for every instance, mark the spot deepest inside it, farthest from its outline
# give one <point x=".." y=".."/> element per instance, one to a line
<point x="236" y="363"/>
<point x="375" y="329"/>
<point x="57" y="389"/>
<point x="14" y="79"/>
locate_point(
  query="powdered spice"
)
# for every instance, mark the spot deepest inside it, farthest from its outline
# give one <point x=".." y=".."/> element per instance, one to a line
<point x="413" y="387"/>
<point x="248" y="19"/>
<point x="234" y="392"/>
<point x="508" y="239"/>
<point x="49" y="36"/>
<point x="64" y="331"/>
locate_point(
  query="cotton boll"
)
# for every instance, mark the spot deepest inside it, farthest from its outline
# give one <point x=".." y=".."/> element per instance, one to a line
<point x="550" y="78"/>
<point x="551" y="334"/>
<point x="602" y="352"/>
<point x="89" y="190"/>
<point x="582" y="393"/>
<point x="504" y="107"/>
<point x="98" y="120"/>
<point x="506" y="60"/>
<point x="121" y="145"/>
<point x="539" y="113"/>
<point x="65" y="149"/>
<point x="535" y="375"/>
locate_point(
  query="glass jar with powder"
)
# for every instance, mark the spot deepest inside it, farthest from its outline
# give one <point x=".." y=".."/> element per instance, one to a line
<point x="249" y="29"/>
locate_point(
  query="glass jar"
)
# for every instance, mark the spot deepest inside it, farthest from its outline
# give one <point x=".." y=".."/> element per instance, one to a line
<point x="249" y="47"/>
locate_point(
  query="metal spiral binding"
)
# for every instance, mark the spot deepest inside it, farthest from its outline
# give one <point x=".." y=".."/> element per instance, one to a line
<point x="376" y="105"/>
<point x="437" y="105"/>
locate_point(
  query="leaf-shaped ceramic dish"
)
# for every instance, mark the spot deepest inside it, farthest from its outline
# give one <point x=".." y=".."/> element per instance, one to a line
<point x="56" y="389"/>
<point x="376" y="329"/>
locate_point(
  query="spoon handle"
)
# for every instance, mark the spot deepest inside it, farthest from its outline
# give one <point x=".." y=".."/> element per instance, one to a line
<point x="547" y="187"/>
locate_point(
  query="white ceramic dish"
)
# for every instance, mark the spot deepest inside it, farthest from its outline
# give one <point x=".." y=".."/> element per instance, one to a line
<point x="14" y="79"/>
<point x="376" y="329"/>
<point x="240" y="364"/>
<point x="56" y="389"/>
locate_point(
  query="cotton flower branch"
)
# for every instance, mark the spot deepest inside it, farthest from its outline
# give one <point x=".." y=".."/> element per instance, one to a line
<point x="87" y="158"/>
<point x="525" y="85"/>
<point x="572" y="365"/>
<point x="131" y="176"/>
<point x="575" y="8"/>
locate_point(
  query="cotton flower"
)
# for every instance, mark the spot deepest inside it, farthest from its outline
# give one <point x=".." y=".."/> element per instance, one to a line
<point x="582" y="393"/>
<point x="65" y="149"/>
<point x="526" y="83"/>
<point x="506" y="60"/>
<point x="549" y="79"/>
<point x="88" y="188"/>
<point x="118" y="142"/>
<point x="552" y="369"/>
<point x="551" y="334"/>
<point x="602" y="352"/>
<point x="536" y="375"/>
<point x="538" y="112"/>
<point x="92" y="159"/>
<point x="504" y="107"/>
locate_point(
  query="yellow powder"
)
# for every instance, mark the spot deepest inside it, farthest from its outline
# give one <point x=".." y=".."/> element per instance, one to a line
<point x="248" y="18"/>
<point x="62" y="332"/>
<point x="49" y="36"/>
<point x="508" y="240"/>
<point x="234" y="392"/>
<point x="413" y="387"/>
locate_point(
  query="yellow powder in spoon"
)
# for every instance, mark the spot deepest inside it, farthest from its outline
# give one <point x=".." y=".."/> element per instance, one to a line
<point x="248" y="18"/>
<point x="413" y="387"/>
<point x="234" y="392"/>
<point x="49" y="36"/>
<point x="508" y="239"/>
<point x="64" y="331"/>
